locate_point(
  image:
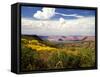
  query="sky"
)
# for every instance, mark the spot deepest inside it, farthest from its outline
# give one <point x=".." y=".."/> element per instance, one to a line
<point x="46" y="21"/>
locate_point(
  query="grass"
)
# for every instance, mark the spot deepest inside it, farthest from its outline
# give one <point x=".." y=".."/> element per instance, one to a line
<point x="37" y="55"/>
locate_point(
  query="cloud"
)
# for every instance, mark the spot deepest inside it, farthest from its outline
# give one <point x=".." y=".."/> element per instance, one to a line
<point x="73" y="15"/>
<point x="46" y="13"/>
<point x="82" y="26"/>
<point x="62" y="21"/>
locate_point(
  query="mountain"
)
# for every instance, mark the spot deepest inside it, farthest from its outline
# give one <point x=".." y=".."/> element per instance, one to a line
<point x="90" y="38"/>
<point x="60" y="38"/>
<point x="71" y="38"/>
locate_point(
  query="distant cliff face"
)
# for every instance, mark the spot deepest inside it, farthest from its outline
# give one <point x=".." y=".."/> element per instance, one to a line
<point x="61" y="38"/>
<point x="71" y="38"/>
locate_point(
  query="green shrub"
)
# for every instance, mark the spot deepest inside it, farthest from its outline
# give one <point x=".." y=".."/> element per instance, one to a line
<point x="62" y="60"/>
<point x="87" y="58"/>
<point x="62" y="57"/>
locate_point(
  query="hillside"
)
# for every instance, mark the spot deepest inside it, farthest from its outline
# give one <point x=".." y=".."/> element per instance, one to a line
<point x="37" y="53"/>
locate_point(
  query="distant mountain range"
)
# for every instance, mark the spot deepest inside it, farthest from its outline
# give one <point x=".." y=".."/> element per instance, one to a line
<point x="63" y="38"/>
<point x="68" y="38"/>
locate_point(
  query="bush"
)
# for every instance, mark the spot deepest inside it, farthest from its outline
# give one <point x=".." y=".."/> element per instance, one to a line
<point x="27" y="55"/>
<point x="30" y="60"/>
<point x="62" y="60"/>
<point x="36" y="56"/>
<point x="87" y="57"/>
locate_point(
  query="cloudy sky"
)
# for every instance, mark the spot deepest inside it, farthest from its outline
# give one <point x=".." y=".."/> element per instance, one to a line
<point x="57" y="21"/>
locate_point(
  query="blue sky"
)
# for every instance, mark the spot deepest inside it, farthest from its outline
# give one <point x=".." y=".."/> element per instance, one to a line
<point x="28" y="12"/>
<point x="57" y="21"/>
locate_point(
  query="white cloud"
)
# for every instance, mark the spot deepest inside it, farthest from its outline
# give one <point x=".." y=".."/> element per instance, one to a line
<point x="61" y="20"/>
<point x="80" y="26"/>
<point x="46" y="13"/>
<point x="73" y="15"/>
